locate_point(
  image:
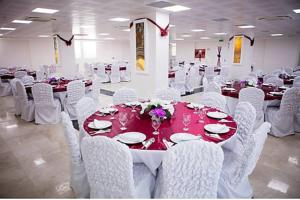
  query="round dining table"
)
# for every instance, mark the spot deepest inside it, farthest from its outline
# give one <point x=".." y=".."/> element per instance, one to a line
<point x="11" y="75"/>
<point x="152" y="156"/>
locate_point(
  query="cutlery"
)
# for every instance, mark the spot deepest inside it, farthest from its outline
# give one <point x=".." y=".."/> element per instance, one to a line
<point x="167" y="143"/>
<point x="147" y="143"/>
<point x="196" y="138"/>
<point x="99" y="132"/>
<point x="213" y="136"/>
<point x="225" y="120"/>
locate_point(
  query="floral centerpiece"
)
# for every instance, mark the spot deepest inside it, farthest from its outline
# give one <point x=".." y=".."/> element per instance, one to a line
<point x="250" y="83"/>
<point x="157" y="109"/>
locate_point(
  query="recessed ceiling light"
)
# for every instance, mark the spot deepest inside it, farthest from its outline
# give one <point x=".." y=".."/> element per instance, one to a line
<point x="7" y="29"/>
<point x="1" y="34"/>
<point x="297" y="10"/>
<point x="44" y="36"/>
<point x="197" y="30"/>
<point x="118" y="19"/>
<point x="205" y="38"/>
<point x="21" y="21"/>
<point x="87" y="26"/>
<point x="246" y="26"/>
<point x="126" y="30"/>
<point x="103" y="34"/>
<point x="179" y="39"/>
<point x="12" y="126"/>
<point x="109" y="38"/>
<point x="171" y="25"/>
<point x="220" y="33"/>
<point x="186" y="35"/>
<point x="276" y="34"/>
<point x="176" y="8"/>
<point x="44" y="10"/>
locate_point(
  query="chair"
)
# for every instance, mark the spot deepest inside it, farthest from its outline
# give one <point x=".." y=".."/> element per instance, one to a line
<point x="125" y="74"/>
<point x="124" y="95"/>
<point x="179" y="82"/>
<point x="259" y="72"/>
<point x="18" y="109"/>
<point x="84" y="108"/>
<point x="275" y="81"/>
<point x="114" y="176"/>
<point x="88" y="70"/>
<point x="297" y="73"/>
<point x="214" y="99"/>
<point x="5" y="88"/>
<point x="192" y="79"/>
<point x="266" y="77"/>
<point x="282" y="118"/>
<point x="75" y="91"/>
<point x="224" y="73"/>
<point x="277" y="72"/>
<point x="190" y="170"/>
<point x="96" y="87"/>
<point x="169" y="94"/>
<point x="4" y="71"/>
<point x="78" y="182"/>
<point x="212" y="87"/>
<point x="256" y="98"/>
<point x="40" y="75"/>
<point x="289" y="70"/>
<point x="20" y="74"/>
<point x="47" y="109"/>
<point x="101" y="73"/>
<point x="115" y="73"/>
<point x="220" y="80"/>
<point x="27" y="80"/>
<point x="296" y="82"/>
<point x="27" y="106"/>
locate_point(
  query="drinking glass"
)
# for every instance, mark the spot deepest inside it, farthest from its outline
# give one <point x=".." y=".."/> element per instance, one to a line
<point x="201" y="114"/>
<point x="155" y="124"/>
<point x="123" y="120"/>
<point x="196" y="108"/>
<point x="112" y="111"/>
<point x="186" y="121"/>
<point x="133" y="105"/>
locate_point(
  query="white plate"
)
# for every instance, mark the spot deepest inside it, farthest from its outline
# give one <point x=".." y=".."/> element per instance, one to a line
<point x="283" y="87"/>
<point x="131" y="137"/>
<point x="216" y="128"/>
<point x="99" y="124"/>
<point x="217" y="115"/>
<point x="107" y="110"/>
<point x="180" y="137"/>
<point x="276" y="93"/>
<point x="267" y="84"/>
<point x="228" y="89"/>
<point x="133" y="103"/>
<point x="194" y="105"/>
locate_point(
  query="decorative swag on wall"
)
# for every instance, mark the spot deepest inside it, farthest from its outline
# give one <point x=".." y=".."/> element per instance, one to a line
<point x="163" y="31"/>
<point x="68" y="42"/>
<point x="251" y="40"/>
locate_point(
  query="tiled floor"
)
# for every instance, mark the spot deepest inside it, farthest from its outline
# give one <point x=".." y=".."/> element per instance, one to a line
<point x="34" y="160"/>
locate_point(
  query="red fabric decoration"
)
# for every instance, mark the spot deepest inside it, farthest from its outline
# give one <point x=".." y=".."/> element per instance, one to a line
<point x="163" y="31"/>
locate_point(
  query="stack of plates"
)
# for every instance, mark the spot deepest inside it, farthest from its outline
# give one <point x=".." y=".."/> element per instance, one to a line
<point x="216" y="115"/>
<point x="131" y="137"/>
<point x="216" y="128"/>
<point x="181" y="137"/>
<point x="99" y="124"/>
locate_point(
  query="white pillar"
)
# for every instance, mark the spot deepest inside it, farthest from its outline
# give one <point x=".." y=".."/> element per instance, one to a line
<point x="156" y="57"/>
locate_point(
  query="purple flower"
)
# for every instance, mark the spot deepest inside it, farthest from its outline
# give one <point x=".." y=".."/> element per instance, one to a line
<point x="158" y="112"/>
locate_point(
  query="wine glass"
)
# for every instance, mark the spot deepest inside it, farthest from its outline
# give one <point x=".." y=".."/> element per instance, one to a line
<point x="201" y="114"/>
<point x="196" y="108"/>
<point x="112" y="111"/>
<point x="155" y="124"/>
<point x="123" y="120"/>
<point x="133" y="105"/>
<point x="186" y="121"/>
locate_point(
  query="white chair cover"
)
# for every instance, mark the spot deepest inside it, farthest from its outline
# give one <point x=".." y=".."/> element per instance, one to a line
<point x="212" y="87"/>
<point x="214" y="99"/>
<point x="266" y="77"/>
<point x="20" y="74"/>
<point x="220" y="80"/>
<point x="259" y="72"/>
<point x="275" y="81"/>
<point x="113" y="176"/>
<point x="47" y="109"/>
<point x="75" y="91"/>
<point x="125" y="74"/>
<point x="88" y="70"/>
<point x="225" y="73"/>
<point x="192" y="79"/>
<point x="5" y="88"/>
<point x="179" y="82"/>
<point x="297" y="73"/>
<point x="79" y="182"/>
<point x="296" y="82"/>
<point x="282" y="118"/>
<point x="101" y="73"/>
<point x="96" y="86"/>
<point x="84" y="108"/>
<point x="27" y="80"/>
<point x="40" y="75"/>
<point x="27" y="106"/>
<point x="256" y="98"/>
<point x="190" y="170"/>
<point x="115" y="73"/>
<point x="289" y="70"/>
<point x="18" y="108"/>
<point x="124" y="95"/>
<point x="4" y="71"/>
<point x="277" y="72"/>
<point x="238" y="151"/>
<point x="169" y="94"/>
<point x="209" y="73"/>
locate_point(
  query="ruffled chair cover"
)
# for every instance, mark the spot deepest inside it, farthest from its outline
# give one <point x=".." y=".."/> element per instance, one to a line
<point x="20" y="74"/>
<point x="289" y="70"/>
<point x="190" y="170"/>
<point x="75" y="91"/>
<point x="212" y="87"/>
<point x="297" y="73"/>
<point x="101" y="73"/>
<point x="192" y="79"/>
<point x="79" y="182"/>
<point x="96" y="86"/>
<point x="18" y="109"/>
<point x="266" y="77"/>
<point x="179" y="82"/>
<point x="220" y="80"/>
<point x="124" y="95"/>
<point x="27" y="106"/>
<point x="275" y="81"/>
<point x="125" y="74"/>
<point x="259" y="72"/>
<point x="114" y="176"/>
<point x="296" y="82"/>
<point x="282" y="118"/>
<point x="277" y="72"/>
<point x="47" y="109"/>
<point x="27" y="80"/>
<point x="40" y="75"/>
<point x="5" y="88"/>
<point x="209" y="73"/>
<point x="4" y="71"/>
<point x="85" y="107"/>
<point x="225" y="73"/>
<point x="238" y="152"/>
<point x="169" y="94"/>
<point x="115" y="73"/>
<point x="88" y="70"/>
<point x="256" y="97"/>
<point x="214" y="99"/>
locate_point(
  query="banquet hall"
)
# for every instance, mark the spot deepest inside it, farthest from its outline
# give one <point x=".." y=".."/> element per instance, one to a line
<point x="150" y="99"/>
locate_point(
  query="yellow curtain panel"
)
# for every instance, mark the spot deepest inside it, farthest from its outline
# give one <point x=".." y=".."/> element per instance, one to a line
<point x="238" y="40"/>
<point x="140" y="47"/>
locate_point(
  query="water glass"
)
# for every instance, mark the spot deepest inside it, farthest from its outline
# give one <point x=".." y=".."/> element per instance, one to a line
<point x="186" y="121"/>
<point x="123" y="120"/>
<point x="112" y="111"/>
<point x="196" y="108"/>
<point x="201" y="114"/>
<point x="133" y="105"/>
<point x="155" y="125"/>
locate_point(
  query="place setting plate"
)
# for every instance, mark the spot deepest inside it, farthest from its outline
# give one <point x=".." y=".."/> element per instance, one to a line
<point x="216" y="128"/>
<point x="276" y="93"/>
<point x="194" y="105"/>
<point x="228" y="89"/>
<point x="100" y="124"/>
<point x="133" y="103"/>
<point x="182" y="137"/>
<point x="131" y="137"/>
<point x="107" y="110"/>
<point x="217" y="115"/>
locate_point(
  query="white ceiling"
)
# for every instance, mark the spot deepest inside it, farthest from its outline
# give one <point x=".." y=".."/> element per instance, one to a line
<point x="95" y="13"/>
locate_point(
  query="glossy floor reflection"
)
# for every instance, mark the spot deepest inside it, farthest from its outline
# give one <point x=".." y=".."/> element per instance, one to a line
<point x="34" y="160"/>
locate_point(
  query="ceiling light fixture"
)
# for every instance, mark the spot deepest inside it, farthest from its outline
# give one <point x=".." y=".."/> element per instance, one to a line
<point x="21" y="21"/>
<point x="179" y="39"/>
<point x="109" y="38"/>
<point x="118" y="19"/>
<point x="44" y="10"/>
<point x="197" y="30"/>
<point x="126" y="30"/>
<point x="176" y="8"/>
<point x="220" y="33"/>
<point x="171" y="25"/>
<point x="246" y="26"/>
<point x="186" y="35"/>
<point x="7" y="29"/>
<point x="205" y="38"/>
<point x="103" y="34"/>
<point x="1" y="34"/>
<point x="44" y="36"/>
<point x="297" y="11"/>
<point x="276" y="34"/>
<point x="87" y="26"/>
